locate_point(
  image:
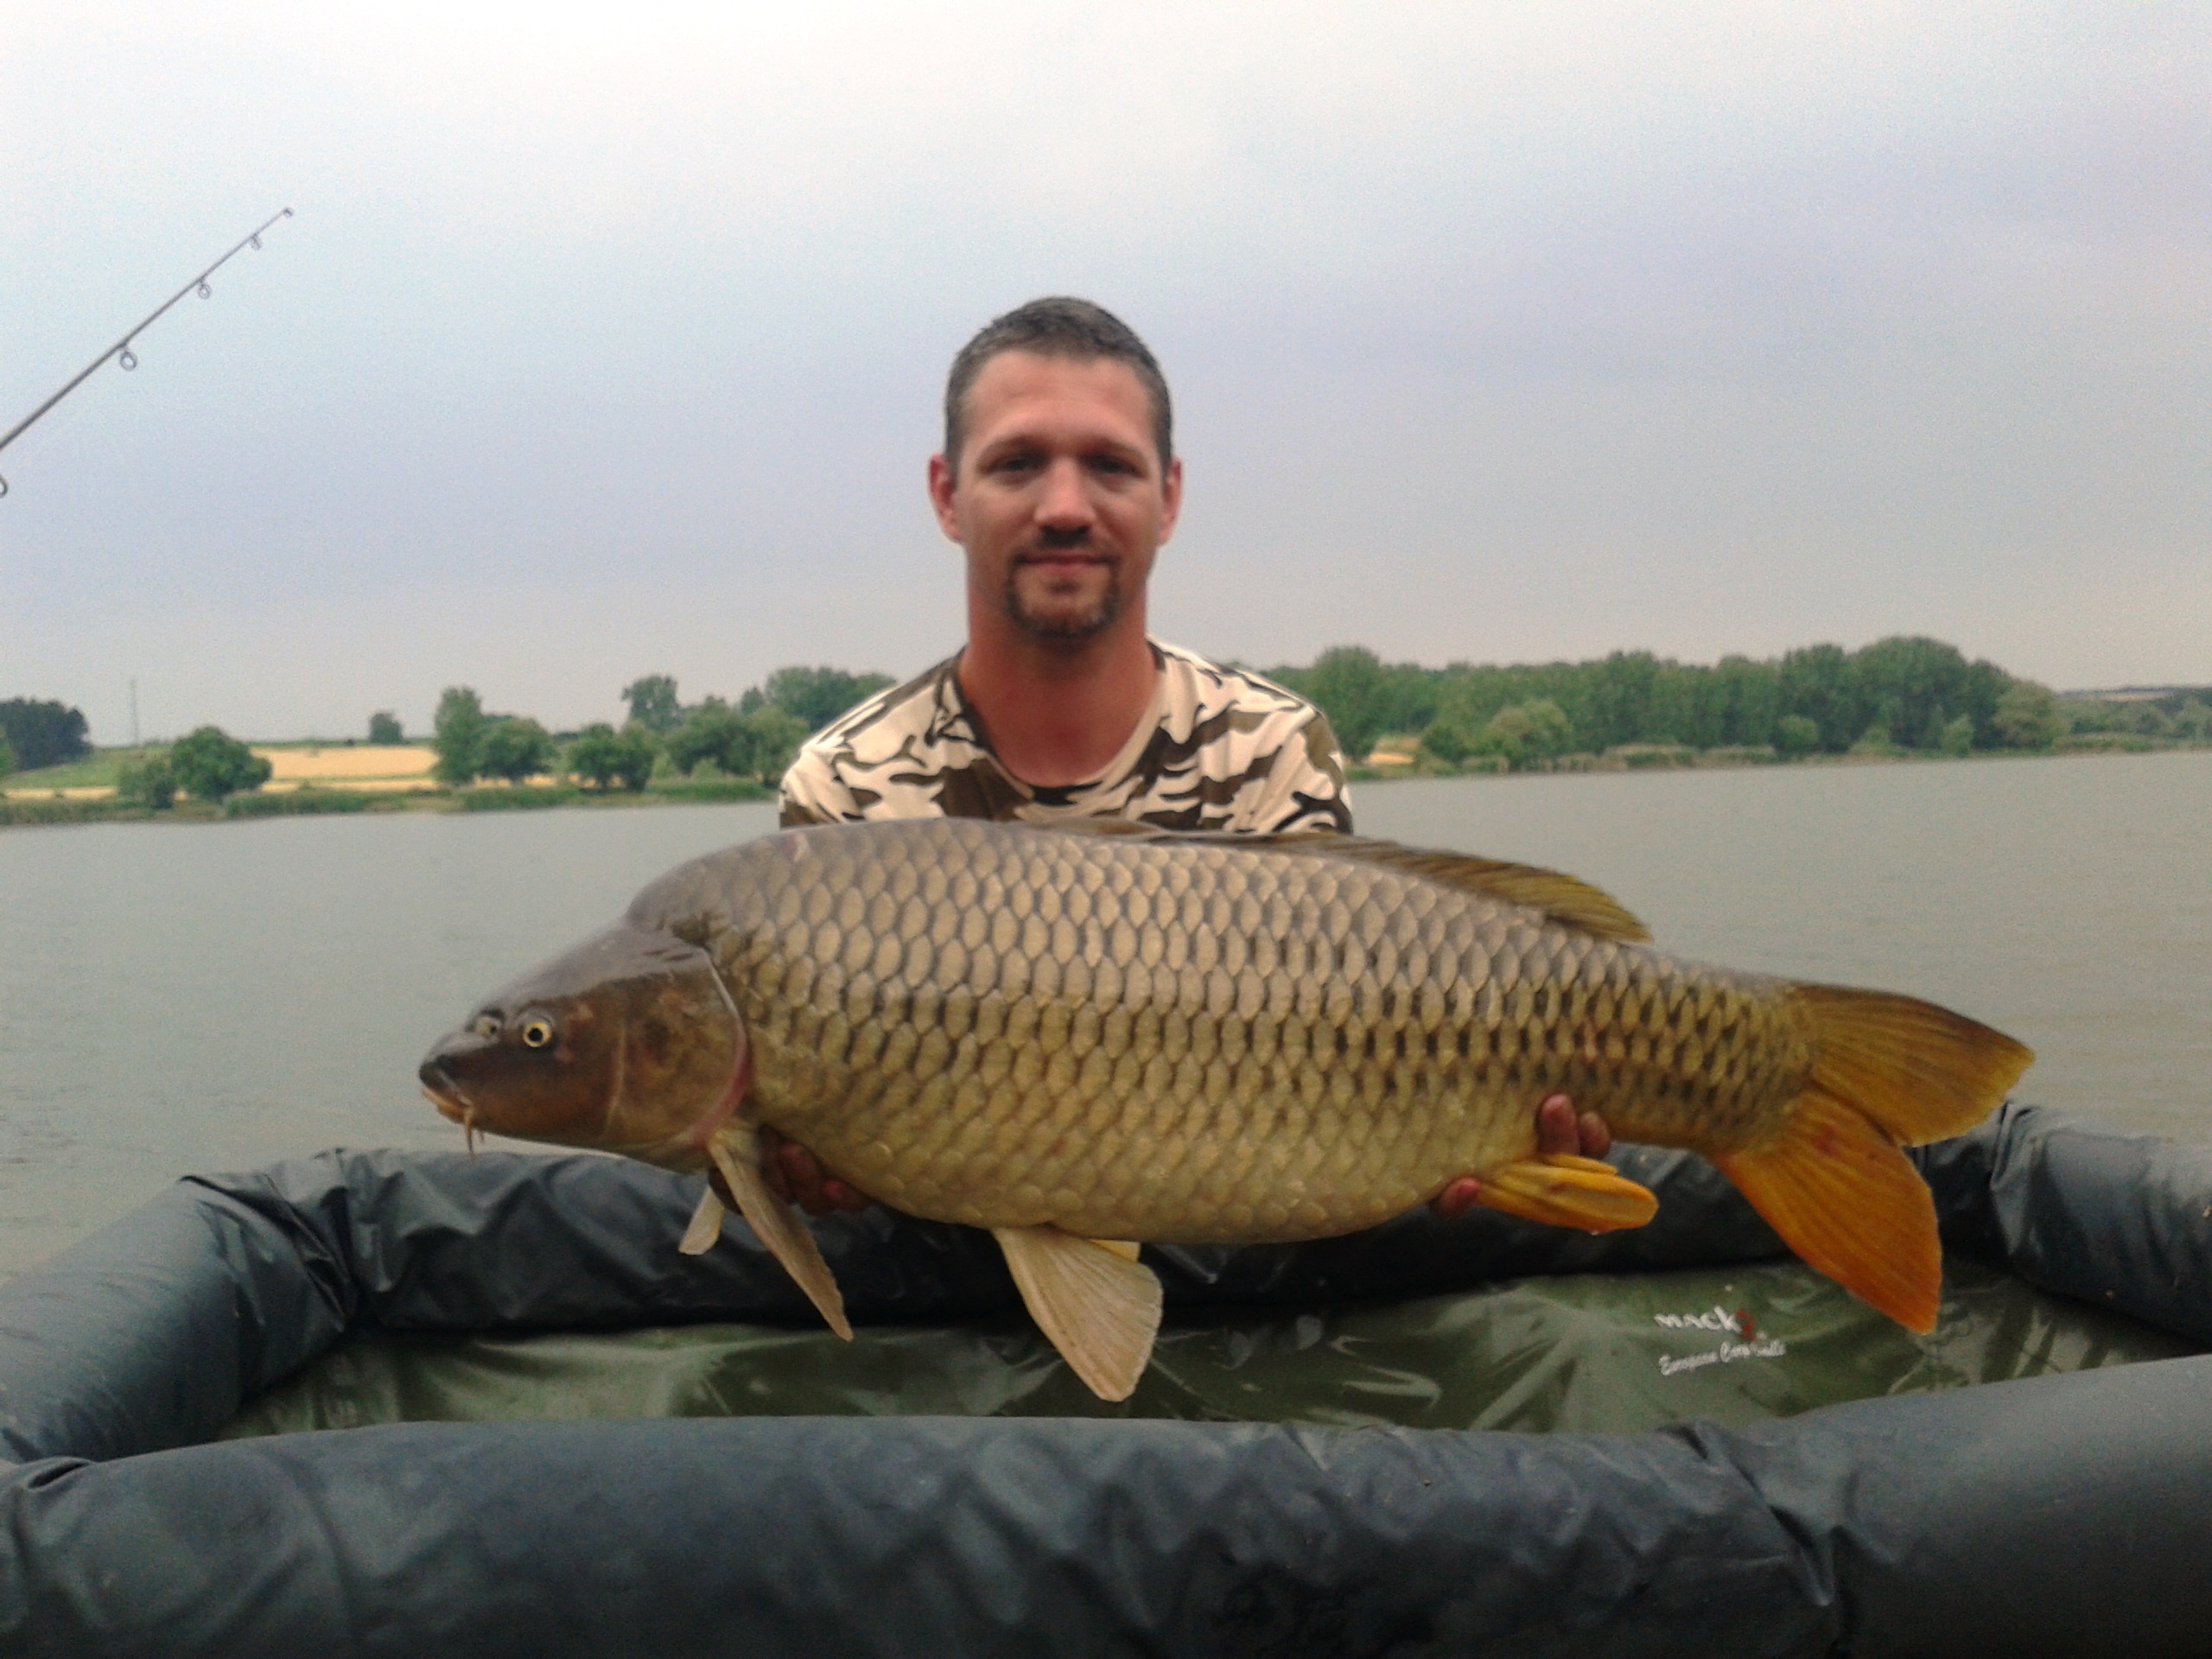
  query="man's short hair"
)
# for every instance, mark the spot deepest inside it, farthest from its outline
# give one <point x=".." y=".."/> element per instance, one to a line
<point x="1057" y="326"/>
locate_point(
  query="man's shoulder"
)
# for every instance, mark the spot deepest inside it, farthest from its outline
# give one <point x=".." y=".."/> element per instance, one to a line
<point x="893" y="718"/>
<point x="1230" y="750"/>
<point x="1212" y="687"/>
<point x="887" y="757"/>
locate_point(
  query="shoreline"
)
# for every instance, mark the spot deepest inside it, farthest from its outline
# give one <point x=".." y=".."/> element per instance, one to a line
<point x="81" y="806"/>
<point x="260" y="805"/>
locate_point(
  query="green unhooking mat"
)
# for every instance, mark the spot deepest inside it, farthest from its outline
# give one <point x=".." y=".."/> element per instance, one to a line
<point x="556" y="1436"/>
<point x="1598" y="1352"/>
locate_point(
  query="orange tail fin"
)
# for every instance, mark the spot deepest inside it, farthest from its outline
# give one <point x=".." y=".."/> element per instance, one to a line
<point x="1887" y="1070"/>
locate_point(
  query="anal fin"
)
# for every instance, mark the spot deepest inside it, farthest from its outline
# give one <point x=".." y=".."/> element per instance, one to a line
<point x="777" y="1226"/>
<point x="1562" y="1189"/>
<point x="1098" y="1306"/>
<point x="706" y="1224"/>
<point x="1846" y="1200"/>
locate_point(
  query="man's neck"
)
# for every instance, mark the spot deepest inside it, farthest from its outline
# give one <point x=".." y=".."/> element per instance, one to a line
<point x="1056" y="713"/>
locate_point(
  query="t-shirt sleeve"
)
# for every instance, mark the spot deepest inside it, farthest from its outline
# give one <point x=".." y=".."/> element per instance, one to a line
<point x="1305" y="788"/>
<point x="812" y="794"/>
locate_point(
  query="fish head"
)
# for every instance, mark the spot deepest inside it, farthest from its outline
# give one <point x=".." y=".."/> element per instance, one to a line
<point x="630" y="1043"/>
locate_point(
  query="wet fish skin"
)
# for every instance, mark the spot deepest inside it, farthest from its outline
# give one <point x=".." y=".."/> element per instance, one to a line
<point x="1101" y="1033"/>
<point x="1192" y="1041"/>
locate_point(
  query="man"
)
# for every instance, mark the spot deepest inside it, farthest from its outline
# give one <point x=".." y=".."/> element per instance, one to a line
<point x="1059" y="479"/>
<point x="1060" y="482"/>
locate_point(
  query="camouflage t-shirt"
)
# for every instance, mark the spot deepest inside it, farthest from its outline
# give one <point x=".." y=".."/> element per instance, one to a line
<point x="1219" y="749"/>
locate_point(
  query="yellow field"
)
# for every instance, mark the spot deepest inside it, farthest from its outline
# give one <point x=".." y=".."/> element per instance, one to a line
<point x="403" y="765"/>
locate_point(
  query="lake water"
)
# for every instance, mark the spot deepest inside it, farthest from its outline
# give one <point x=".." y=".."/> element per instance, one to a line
<point x="192" y="997"/>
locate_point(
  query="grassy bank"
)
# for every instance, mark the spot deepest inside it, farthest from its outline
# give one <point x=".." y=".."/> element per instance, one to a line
<point x="1403" y="758"/>
<point x="309" y="801"/>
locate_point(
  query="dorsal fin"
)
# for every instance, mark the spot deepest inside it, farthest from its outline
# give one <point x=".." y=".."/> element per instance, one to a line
<point x="1563" y="899"/>
<point x="1567" y="900"/>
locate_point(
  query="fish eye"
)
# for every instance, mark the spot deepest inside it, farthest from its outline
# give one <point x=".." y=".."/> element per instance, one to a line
<point x="537" y="1031"/>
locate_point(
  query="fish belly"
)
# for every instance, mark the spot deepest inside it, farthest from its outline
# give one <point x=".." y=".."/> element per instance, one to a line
<point x="1189" y="1043"/>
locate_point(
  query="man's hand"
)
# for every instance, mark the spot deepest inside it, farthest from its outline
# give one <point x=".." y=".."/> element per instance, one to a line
<point x="1558" y="1130"/>
<point x="793" y="1176"/>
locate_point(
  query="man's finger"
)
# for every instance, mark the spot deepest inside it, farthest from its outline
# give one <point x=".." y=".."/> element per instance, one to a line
<point x="1597" y="1139"/>
<point x="1556" y="1131"/>
<point x="1458" y="1198"/>
<point x="805" y="1176"/>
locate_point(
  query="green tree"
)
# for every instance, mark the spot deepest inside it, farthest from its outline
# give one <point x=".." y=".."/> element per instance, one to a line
<point x="1957" y="737"/>
<point x="1549" y="729"/>
<point x="653" y="704"/>
<point x="2027" y="716"/>
<point x="457" y="734"/>
<point x="1912" y="686"/>
<point x="384" y="727"/>
<point x="709" y="732"/>
<point x="7" y="758"/>
<point x="2191" y="721"/>
<point x="1816" y="684"/>
<point x="1751" y="699"/>
<point x="1506" y="736"/>
<point x="209" y="763"/>
<point x="1876" y="740"/>
<point x="1986" y="683"/>
<point x="1797" y="735"/>
<point x="601" y="755"/>
<point x="756" y="742"/>
<point x="1349" y="684"/>
<point x="773" y="736"/>
<point x="43" y="732"/>
<point x="1451" y="736"/>
<point x="147" y="780"/>
<point x="1624" y="706"/>
<point x="515" y="749"/>
<point x="817" y="695"/>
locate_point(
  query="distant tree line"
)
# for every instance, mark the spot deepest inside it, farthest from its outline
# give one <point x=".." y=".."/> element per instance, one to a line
<point x="754" y="738"/>
<point x="1904" y="694"/>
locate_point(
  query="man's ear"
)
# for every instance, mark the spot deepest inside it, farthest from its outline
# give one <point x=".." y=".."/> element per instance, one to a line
<point x="1170" y="498"/>
<point x="941" y="488"/>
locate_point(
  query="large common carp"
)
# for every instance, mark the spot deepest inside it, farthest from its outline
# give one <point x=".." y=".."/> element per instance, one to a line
<point x="1080" y="1037"/>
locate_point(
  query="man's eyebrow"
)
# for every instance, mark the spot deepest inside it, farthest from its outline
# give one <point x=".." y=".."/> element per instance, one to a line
<point x="1014" y="442"/>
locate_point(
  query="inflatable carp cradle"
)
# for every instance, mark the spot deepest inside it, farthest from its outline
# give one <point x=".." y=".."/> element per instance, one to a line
<point x="1669" y="1441"/>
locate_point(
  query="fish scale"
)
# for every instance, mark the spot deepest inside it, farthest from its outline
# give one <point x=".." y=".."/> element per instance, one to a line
<point x="1189" y="1043"/>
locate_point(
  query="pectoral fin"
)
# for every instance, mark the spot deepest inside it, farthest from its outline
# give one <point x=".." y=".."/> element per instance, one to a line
<point x="1099" y="1307"/>
<point x="706" y="1224"/>
<point x="1562" y="1189"/>
<point x="777" y="1225"/>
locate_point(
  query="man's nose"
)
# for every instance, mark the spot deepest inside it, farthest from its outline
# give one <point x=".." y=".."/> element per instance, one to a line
<point x="1066" y="501"/>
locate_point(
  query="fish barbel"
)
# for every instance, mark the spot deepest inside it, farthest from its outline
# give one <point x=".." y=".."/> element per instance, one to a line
<point x="1086" y="1035"/>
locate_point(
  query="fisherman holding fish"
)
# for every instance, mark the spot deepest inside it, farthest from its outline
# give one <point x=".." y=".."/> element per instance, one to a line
<point x="1060" y="481"/>
<point x="974" y="980"/>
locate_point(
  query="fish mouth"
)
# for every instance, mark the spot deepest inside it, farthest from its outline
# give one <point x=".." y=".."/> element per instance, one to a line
<point x="442" y="1092"/>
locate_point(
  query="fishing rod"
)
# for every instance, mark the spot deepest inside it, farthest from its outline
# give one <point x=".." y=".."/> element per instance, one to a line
<point x="121" y="350"/>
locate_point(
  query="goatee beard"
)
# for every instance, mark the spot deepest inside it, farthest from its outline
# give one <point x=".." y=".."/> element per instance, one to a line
<point x="1063" y="628"/>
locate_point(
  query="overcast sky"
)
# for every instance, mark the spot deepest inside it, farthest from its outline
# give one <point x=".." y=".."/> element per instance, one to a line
<point x="607" y="341"/>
